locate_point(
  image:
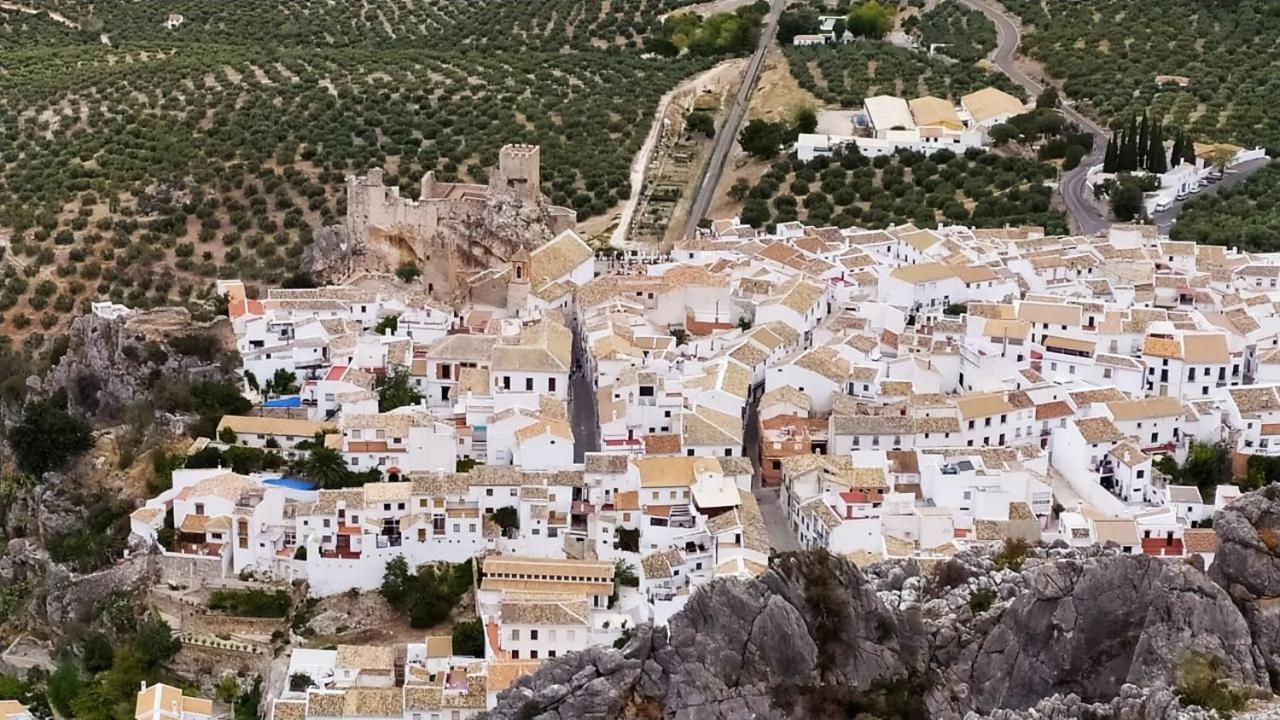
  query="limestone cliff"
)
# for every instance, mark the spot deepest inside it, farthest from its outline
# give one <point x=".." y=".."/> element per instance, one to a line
<point x="1248" y="567"/>
<point x="1091" y="634"/>
<point x="111" y="361"/>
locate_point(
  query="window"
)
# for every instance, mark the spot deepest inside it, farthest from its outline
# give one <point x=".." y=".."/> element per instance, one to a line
<point x="533" y="654"/>
<point x="515" y="634"/>
<point x="533" y="634"/>
<point x="528" y="384"/>
<point x="199" y="508"/>
<point x="551" y="384"/>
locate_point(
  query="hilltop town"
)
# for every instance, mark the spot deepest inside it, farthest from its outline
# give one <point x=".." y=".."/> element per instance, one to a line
<point x="599" y="436"/>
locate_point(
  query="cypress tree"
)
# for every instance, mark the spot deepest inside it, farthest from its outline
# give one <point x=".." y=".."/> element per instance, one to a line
<point x="1175" y="155"/>
<point x="1144" y="137"/>
<point x="1128" y="160"/>
<point x="1156" y="161"/>
<point x="1109" y="159"/>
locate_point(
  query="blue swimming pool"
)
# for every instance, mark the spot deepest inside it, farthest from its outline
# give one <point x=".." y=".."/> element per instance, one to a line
<point x="291" y="483"/>
<point x="293" y="401"/>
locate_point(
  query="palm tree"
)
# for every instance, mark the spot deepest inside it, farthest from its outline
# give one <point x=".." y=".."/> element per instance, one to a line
<point x="325" y="466"/>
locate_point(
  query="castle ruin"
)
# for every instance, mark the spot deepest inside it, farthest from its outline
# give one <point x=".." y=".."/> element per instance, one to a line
<point x="451" y="231"/>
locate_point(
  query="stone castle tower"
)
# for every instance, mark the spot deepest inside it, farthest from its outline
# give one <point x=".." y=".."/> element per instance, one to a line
<point x="518" y="169"/>
<point x="453" y="229"/>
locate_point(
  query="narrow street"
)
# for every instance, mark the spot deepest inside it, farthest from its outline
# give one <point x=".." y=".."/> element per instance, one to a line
<point x="727" y="135"/>
<point x="582" y="404"/>
<point x="775" y="521"/>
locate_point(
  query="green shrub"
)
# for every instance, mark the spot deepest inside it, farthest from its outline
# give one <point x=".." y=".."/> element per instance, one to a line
<point x="468" y="638"/>
<point x="1200" y="683"/>
<point x="251" y="603"/>
<point x="1012" y="555"/>
<point x="981" y="600"/>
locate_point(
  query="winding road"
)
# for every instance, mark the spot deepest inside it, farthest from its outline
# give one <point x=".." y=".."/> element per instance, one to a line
<point x="1088" y="219"/>
<point x="727" y="135"/>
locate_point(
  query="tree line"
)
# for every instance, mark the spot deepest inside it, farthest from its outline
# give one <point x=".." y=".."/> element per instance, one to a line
<point x="1139" y="145"/>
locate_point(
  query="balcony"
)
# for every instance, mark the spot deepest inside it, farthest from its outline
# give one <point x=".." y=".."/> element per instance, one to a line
<point x="340" y="554"/>
<point x="1105" y="467"/>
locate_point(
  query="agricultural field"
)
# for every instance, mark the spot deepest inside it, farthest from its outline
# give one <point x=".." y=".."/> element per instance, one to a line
<point x="976" y="188"/>
<point x="1245" y="215"/>
<point x="844" y="75"/>
<point x="967" y="35"/>
<point x="1110" y="52"/>
<point x="139" y="162"/>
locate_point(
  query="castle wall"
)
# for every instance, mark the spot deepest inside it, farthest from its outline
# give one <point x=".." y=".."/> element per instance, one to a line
<point x="454" y="228"/>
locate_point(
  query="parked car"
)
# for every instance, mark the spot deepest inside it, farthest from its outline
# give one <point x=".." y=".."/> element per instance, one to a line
<point x="1163" y="205"/>
<point x="1182" y="194"/>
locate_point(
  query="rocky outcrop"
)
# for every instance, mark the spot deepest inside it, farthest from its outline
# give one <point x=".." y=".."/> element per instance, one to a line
<point x="111" y="361"/>
<point x="1248" y="567"/>
<point x="1133" y="703"/>
<point x="71" y="597"/>
<point x="1072" y="635"/>
<point x="331" y="255"/>
<point x="1089" y="626"/>
<point x="810" y="635"/>
<point x="61" y="597"/>
<point x="43" y="510"/>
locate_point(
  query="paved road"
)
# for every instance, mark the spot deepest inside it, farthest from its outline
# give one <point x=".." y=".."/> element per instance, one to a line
<point x="1164" y="220"/>
<point x="582" y="404"/>
<point x="780" y="535"/>
<point x="1088" y="219"/>
<point x="728" y="134"/>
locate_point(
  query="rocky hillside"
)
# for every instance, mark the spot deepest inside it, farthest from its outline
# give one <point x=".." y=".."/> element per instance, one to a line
<point x="111" y="362"/>
<point x="1061" y="634"/>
